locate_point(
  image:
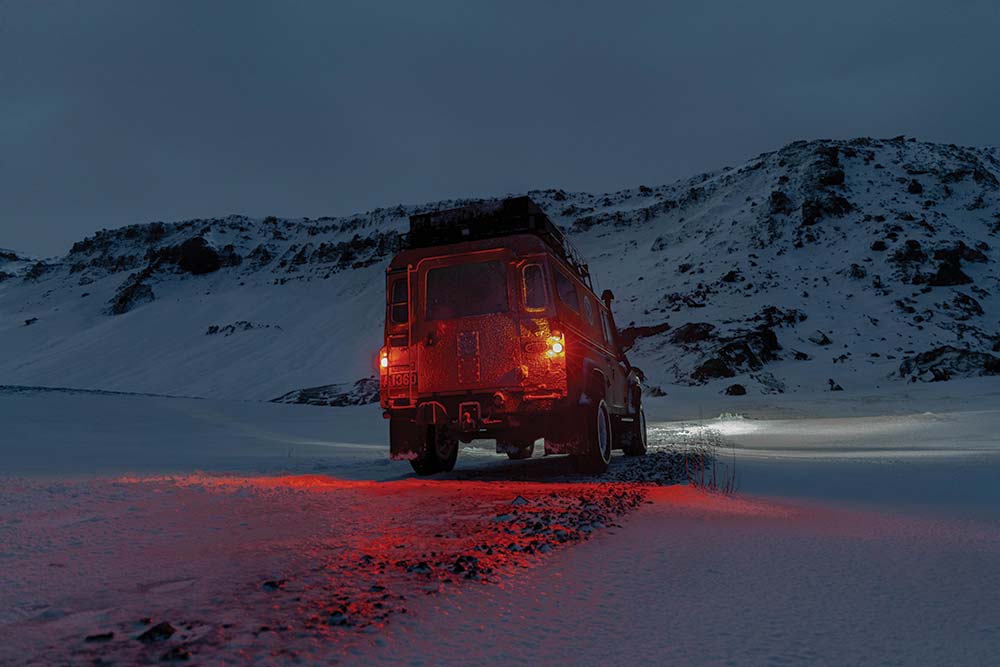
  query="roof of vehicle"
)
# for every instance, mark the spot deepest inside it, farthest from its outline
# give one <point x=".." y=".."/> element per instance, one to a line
<point x="489" y="219"/>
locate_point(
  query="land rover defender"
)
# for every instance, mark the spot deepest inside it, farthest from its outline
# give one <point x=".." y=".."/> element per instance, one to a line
<point x="493" y="331"/>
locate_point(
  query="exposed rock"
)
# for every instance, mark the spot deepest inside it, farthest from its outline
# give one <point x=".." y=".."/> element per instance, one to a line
<point x="834" y="386"/>
<point x="746" y="351"/>
<point x="692" y="332"/>
<point x="878" y="246"/>
<point x="815" y="209"/>
<point x="133" y="292"/>
<point x="958" y="252"/>
<point x="914" y="187"/>
<point x="910" y="253"/>
<point x="227" y="330"/>
<point x="949" y="273"/>
<point x="772" y="316"/>
<point x="731" y="277"/>
<point x="361" y="392"/>
<point x="629" y="335"/>
<point x="769" y="384"/>
<point x="966" y="307"/>
<point x="37" y="270"/>
<point x="736" y="390"/>
<point x="943" y="363"/>
<point x="196" y="256"/>
<point x="780" y="204"/>
<point x="712" y="369"/>
<point x="820" y="338"/>
<point x="157" y="633"/>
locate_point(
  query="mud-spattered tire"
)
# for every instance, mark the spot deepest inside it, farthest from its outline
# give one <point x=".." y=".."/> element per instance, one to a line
<point x="633" y="435"/>
<point x="525" y="450"/>
<point x="439" y="453"/>
<point x="598" y="438"/>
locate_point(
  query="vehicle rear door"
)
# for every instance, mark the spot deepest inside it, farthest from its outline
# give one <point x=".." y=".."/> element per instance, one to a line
<point x="466" y="328"/>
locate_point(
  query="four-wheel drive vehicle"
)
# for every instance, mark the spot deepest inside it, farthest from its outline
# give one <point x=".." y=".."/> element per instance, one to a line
<point x="493" y="331"/>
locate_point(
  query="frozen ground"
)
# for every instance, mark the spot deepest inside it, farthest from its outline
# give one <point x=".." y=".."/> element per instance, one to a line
<point x="864" y="533"/>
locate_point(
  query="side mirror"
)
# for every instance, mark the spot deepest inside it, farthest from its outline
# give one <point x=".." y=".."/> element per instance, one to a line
<point x="607" y="296"/>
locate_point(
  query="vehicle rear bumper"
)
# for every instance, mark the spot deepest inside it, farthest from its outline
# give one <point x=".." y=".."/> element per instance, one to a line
<point x="480" y="416"/>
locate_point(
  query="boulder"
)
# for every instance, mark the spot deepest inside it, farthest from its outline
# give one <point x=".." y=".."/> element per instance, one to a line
<point x="197" y="257"/>
<point x="820" y="338"/>
<point x="949" y="273"/>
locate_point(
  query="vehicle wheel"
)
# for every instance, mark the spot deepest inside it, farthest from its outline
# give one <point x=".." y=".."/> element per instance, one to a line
<point x="425" y="465"/>
<point x="634" y="434"/>
<point x="524" y="451"/>
<point x="598" y="440"/>
<point x="439" y="453"/>
<point x="445" y="447"/>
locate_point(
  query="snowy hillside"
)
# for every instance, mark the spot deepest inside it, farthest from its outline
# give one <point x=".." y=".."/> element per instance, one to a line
<point x="853" y="264"/>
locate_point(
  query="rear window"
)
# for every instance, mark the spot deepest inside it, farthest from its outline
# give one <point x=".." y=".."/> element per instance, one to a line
<point x="399" y="302"/>
<point x="534" y="287"/>
<point x="567" y="291"/>
<point x="465" y="290"/>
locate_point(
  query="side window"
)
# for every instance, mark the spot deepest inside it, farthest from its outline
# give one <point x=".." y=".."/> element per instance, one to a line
<point x="606" y="326"/>
<point x="588" y="310"/>
<point x="567" y="291"/>
<point x="399" y="302"/>
<point x="533" y="280"/>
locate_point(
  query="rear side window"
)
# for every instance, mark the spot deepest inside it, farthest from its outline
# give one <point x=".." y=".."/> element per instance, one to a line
<point x="399" y="302"/>
<point x="465" y="290"/>
<point x="567" y="291"/>
<point x="533" y="278"/>
<point x="606" y="326"/>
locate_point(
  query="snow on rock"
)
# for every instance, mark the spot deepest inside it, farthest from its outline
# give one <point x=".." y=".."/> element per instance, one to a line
<point x="885" y="247"/>
<point x="362" y="392"/>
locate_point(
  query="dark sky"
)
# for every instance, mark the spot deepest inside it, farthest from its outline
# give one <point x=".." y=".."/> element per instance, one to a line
<point x="113" y="113"/>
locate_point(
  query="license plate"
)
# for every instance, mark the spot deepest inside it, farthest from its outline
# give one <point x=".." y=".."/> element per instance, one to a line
<point x="407" y="379"/>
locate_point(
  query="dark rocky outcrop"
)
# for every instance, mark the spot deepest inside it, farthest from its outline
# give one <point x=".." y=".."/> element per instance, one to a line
<point x="780" y="203"/>
<point x="746" y="351"/>
<point x="629" y="335"/>
<point x="945" y="362"/>
<point x="361" y="392"/>
<point x="949" y="273"/>
<point x="692" y="332"/>
<point x="816" y="208"/>
<point x="133" y="292"/>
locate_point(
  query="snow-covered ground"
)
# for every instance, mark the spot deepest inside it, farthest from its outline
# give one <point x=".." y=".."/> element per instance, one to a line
<point x="280" y="534"/>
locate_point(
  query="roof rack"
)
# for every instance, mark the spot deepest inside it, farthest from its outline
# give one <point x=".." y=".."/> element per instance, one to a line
<point x="492" y="218"/>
